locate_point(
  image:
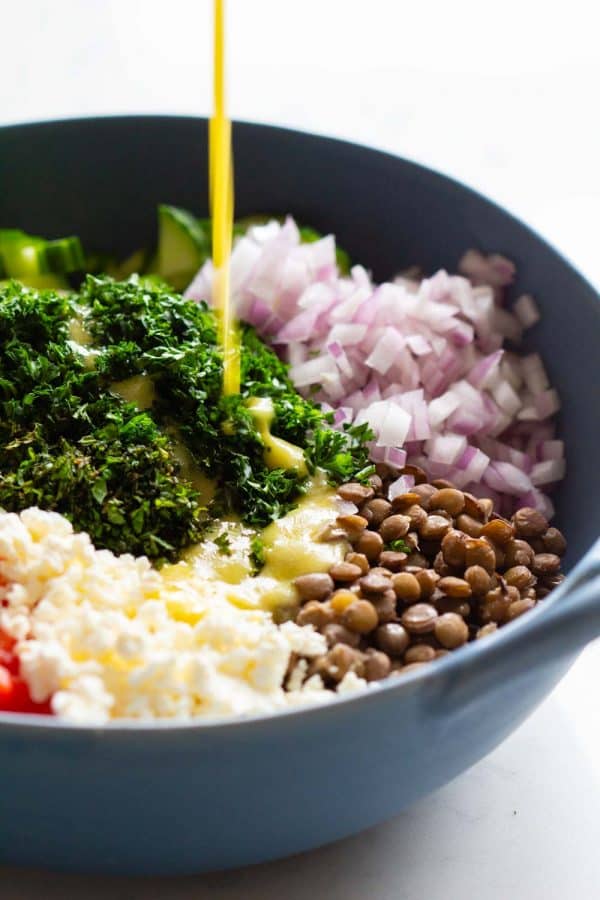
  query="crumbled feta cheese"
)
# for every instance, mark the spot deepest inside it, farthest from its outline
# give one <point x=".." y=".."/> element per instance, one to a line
<point x="107" y="636"/>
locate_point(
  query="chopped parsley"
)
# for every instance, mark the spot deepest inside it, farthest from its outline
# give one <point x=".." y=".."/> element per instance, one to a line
<point x="223" y="542"/>
<point x="257" y="553"/>
<point x="69" y="443"/>
<point x="399" y="545"/>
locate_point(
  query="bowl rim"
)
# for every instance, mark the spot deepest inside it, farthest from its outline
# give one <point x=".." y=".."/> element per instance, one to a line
<point x="448" y="665"/>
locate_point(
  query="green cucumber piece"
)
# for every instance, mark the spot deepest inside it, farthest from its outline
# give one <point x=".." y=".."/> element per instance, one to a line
<point x="21" y="253"/>
<point x="183" y="246"/>
<point x="25" y="254"/>
<point x="64" y="255"/>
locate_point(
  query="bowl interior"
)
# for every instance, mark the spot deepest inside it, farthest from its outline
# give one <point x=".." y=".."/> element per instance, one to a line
<point x="102" y="179"/>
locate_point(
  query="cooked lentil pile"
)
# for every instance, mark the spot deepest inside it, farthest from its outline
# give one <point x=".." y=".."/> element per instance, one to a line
<point x="428" y="571"/>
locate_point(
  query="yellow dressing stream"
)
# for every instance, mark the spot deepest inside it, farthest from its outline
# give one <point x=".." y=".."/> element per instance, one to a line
<point x="221" y="200"/>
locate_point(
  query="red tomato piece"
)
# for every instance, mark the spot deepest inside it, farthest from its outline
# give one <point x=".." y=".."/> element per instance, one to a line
<point x="15" y="697"/>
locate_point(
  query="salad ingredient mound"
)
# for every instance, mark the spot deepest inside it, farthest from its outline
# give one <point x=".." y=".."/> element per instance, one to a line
<point x="100" y="636"/>
<point x="430" y="364"/>
<point x="111" y="413"/>
<point x="430" y="568"/>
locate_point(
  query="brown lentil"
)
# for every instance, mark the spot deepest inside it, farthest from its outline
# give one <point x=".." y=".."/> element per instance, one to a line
<point x="552" y="581"/>
<point x="478" y="579"/>
<point x="376" y="483"/>
<point x="406" y="587"/>
<point x="404" y="501"/>
<point x="385" y="606"/>
<point x="518" y="553"/>
<point x="341" y="600"/>
<point x="394" y="560"/>
<point x="314" y="587"/>
<point x="451" y="631"/>
<point x="392" y="638"/>
<point x="427" y="578"/>
<point x="520" y="576"/>
<point x="379" y="509"/>
<point x="499" y="555"/>
<point x="356" y="493"/>
<point x="554" y="542"/>
<point x="345" y="571"/>
<point x="375" y="583"/>
<point x="448" y="498"/>
<point x="495" y="606"/>
<point x="453" y="547"/>
<point x="377" y="665"/>
<point x="455" y="587"/>
<point x="316" y="614"/>
<point x="339" y="634"/>
<point x="342" y="659"/>
<point x="473" y="507"/>
<point x="529" y="523"/>
<point x="486" y="506"/>
<point x="466" y="571"/>
<point x="482" y="632"/>
<point x="411" y="667"/>
<point x="472" y="527"/>
<point x="353" y="525"/>
<point x="419" y="653"/>
<point x="518" y="607"/>
<point x="480" y="553"/>
<point x="445" y="604"/>
<point x="545" y="563"/>
<point x="358" y="559"/>
<point x="441" y="566"/>
<point x="497" y="530"/>
<point x="361" y="617"/>
<point x="434" y="528"/>
<point x="416" y="561"/>
<point x="394" y="527"/>
<point x="417" y="516"/>
<point x="370" y="543"/>
<point x="419" y="618"/>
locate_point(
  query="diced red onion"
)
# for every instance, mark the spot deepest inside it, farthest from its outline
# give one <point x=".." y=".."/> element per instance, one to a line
<point x="401" y="485"/>
<point x="421" y="360"/>
<point x="547" y="471"/>
<point x="526" y="311"/>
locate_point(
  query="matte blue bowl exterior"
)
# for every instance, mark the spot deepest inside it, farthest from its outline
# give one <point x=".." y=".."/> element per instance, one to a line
<point x="184" y="799"/>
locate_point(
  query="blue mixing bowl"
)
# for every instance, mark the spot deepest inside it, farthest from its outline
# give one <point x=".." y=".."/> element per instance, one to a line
<point x="184" y="798"/>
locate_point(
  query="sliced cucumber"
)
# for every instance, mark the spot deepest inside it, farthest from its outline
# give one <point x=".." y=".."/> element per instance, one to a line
<point x="183" y="246"/>
<point x="64" y="255"/>
<point x="21" y="253"/>
<point x="27" y="255"/>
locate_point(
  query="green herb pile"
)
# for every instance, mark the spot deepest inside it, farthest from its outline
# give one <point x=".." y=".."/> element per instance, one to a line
<point x="68" y="443"/>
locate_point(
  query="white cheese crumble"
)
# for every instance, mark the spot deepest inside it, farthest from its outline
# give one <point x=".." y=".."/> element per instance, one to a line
<point x="107" y="636"/>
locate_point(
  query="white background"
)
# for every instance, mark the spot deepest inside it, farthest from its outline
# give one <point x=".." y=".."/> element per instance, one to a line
<point x="502" y="96"/>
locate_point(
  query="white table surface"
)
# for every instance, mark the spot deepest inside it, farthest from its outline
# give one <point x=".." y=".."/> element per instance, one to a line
<point x="504" y="98"/>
